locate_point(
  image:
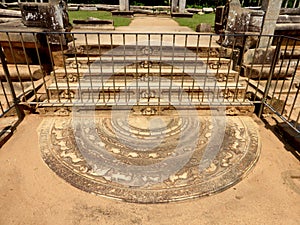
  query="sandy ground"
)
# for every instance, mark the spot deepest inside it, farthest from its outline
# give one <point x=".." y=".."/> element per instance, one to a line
<point x="154" y="24"/>
<point x="30" y="193"/>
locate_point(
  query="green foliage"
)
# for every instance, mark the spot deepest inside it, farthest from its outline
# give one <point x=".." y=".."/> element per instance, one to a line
<point x="196" y="19"/>
<point x="137" y="3"/>
<point x="82" y="15"/>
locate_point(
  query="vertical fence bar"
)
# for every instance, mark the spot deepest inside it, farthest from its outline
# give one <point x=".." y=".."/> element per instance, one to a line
<point x="251" y="69"/>
<point x="172" y="69"/>
<point x="160" y="64"/>
<point x="235" y="92"/>
<point x="69" y="97"/>
<point x="148" y="69"/>
<point x="125" y="70"/>
<point x="41" y="66"/>
<point x="15" y="62"/>
<point x="113" y="65"/>
<point x="137" y="91"/>
<point x="206" y="71"/>
<point x="28" y="66"/>
<point x="5" y="96"/>
<point x="273" y="64"/>
<point x="53" y="66"/>
<point x="195" y="68"/>
<point x="90" y="87"/>
<point x="186" y="36"/>
<point x="101" y="69"/>
<point x="294" y="103"/>
<point x="292" y="80"/>
<point x="284" y="55"/>
<point x="77" y="69"/>
<point x="272" y="69"/>
<point x="16" y="101"/>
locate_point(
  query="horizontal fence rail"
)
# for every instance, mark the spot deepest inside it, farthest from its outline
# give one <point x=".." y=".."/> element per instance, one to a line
<point x="159" y="69"/>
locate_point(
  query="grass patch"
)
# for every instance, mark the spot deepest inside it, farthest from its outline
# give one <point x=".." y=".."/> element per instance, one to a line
<point x="82" y="15"/>
<point x="196" y="19"/>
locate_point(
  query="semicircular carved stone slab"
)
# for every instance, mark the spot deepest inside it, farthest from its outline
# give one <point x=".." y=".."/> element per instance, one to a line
<point x="149" y="159"/>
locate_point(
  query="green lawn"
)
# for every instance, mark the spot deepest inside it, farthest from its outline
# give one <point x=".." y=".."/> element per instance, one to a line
<point x="82" y="15"/>
<point x="196" y="19"/>
<point x="125" y="21"/>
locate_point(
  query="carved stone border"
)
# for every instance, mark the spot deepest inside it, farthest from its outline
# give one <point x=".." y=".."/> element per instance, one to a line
<point x="230" y="177"/>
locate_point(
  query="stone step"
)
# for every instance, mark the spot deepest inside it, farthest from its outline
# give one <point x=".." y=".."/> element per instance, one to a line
<point x="144" y="90"/>
<point x="118" y="49"/>
<point x="84" y="62"/>
<point x="73" y="74"/>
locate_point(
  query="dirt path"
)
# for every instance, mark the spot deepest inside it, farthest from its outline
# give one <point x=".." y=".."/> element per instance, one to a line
<point x="154" y="24"/>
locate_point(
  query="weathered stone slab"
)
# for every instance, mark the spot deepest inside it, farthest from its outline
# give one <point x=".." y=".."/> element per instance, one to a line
<point x="207" y="10"/>
<point x="8" y="20"/>
<point x="104" y="7"/>
<point x="288" y="26"/>
<point x="238" y="40"/>
<point x="143" y="11"/>
<point x="22" y="72"/>
<point x="88" y="8"/>
<point x="94" y="23"/>
<point x="259" y="56"/>
<point x="256" y="20"/>
<point x="192" y="10"/>
<point x="203" y="27"/>
<point x="44" y="15"/>
<point x="263" y="72"/>
<point x="288" y="19"/>
<point x="183" y="15"/>
<point x="73" y="7"/>
<point x="10" y="13"/>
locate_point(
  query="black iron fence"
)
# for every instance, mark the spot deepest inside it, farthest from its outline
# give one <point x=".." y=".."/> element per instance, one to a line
<point x="290" y="4"/>
<point x="111" y="69"/>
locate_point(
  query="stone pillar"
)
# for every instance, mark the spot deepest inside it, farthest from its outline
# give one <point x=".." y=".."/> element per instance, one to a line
<point x="174" y="5"/>
<point x="124" y="5"/>
<point x="272" y="9"/>
<point x="182" y="4"/>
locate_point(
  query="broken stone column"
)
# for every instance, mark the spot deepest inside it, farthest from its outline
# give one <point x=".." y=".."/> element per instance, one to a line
<point x="272" y="9"/>
<point x="174" y="5"/>
<point x="181" y="7"/>
<point x="124" y="5"/>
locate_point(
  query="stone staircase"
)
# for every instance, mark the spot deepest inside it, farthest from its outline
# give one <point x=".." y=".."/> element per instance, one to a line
<point x="147" y="76"/>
